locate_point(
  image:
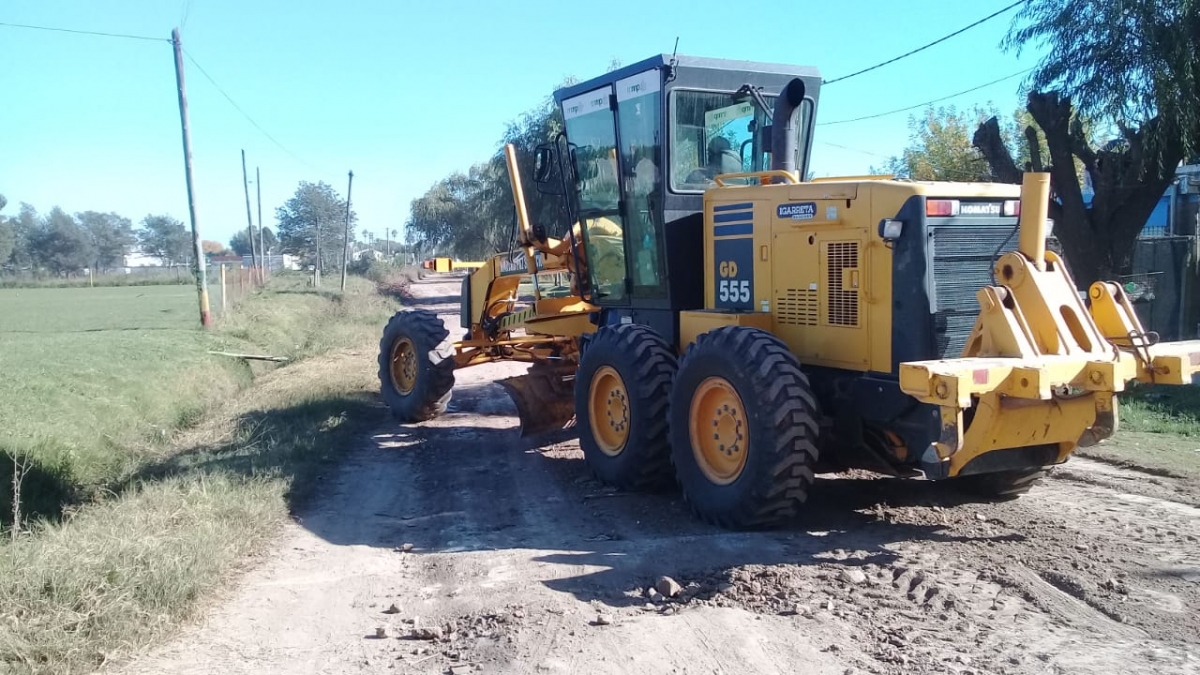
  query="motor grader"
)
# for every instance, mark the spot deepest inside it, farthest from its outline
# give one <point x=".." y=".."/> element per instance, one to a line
<point x="735" y="328"/>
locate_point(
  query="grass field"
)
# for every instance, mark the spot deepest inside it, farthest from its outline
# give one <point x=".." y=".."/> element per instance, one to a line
<point x="96" y="378"/>
<point x="169" y="465"/>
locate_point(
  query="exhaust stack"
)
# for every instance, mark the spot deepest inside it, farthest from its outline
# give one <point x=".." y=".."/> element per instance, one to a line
<point x="785" y="126"/>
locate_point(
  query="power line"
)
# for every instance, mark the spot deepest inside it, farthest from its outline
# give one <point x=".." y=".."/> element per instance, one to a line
<point x="845" y="147"/>
<point x="239" y="109"/>
<point x="918" y="49"/>
<point x="922" y="105"/>
<point x="85" y="32"/>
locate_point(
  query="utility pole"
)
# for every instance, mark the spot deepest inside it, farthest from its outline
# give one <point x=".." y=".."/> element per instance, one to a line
<point x="317" y="276"/>
<point x="346" y="236"/>
<point x="262" y="242"/>
<point x="249" y="220"/>
<point x="201" y="272"/>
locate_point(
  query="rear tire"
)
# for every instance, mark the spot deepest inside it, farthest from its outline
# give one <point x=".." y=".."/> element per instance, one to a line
<point x="415" y="380"/>
<point x="745" y="387"/>
<point x="621" y="391"/>
<point x="1001" y="485"/>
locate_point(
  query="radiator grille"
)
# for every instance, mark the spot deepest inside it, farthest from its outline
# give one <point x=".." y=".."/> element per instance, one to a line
<point x="842" y="305"/>
<point x="962" y="264"/>
<point x="797" y="307"/>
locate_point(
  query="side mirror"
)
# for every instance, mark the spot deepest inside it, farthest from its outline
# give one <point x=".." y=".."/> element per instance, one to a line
<point x="543" y="164"/>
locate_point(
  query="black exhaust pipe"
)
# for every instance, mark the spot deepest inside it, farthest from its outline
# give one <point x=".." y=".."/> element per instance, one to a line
<point x="785" y="126"/>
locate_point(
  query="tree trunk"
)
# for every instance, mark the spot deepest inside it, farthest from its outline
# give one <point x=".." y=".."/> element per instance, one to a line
<point x="1098" y="240"/>
<point x="989" y="142"/>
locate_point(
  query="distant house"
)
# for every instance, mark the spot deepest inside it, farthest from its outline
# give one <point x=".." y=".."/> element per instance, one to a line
<point x="136" y="258"/>
<point x="367" y="253"/>
<point x="230" y="260"/>
<point x="273" y="262"/>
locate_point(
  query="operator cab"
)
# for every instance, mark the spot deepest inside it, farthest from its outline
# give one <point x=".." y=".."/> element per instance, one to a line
<point x="637" y="191"/>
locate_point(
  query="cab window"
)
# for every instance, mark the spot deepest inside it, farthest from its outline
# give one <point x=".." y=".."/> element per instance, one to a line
<point x="712" y="134"/>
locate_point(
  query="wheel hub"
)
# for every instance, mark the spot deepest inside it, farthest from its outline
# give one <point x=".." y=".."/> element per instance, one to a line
<point x="404" y="366"/>
<point x="719" y="430"/>
<point x="609" y="408"/>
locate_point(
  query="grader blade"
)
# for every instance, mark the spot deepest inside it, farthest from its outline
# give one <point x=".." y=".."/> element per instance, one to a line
<point x="545" y="400"/>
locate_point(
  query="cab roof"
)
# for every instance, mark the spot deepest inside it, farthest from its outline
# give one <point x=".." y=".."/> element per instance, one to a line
<point x="688" y="62"/>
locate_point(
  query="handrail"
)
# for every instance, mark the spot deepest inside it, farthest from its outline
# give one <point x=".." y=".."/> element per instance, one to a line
<point x="775" y="173"/>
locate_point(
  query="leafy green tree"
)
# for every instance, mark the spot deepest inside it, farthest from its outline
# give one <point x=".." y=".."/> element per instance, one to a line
<point x="240" y="242"/>
<point x="25" y="227"/>
<point x="111" y="237"/>
<point x="940" y="148"/>
<point x="270" y="241"/>
<point x="314" y="214"/>
<point x="8" y="237"/>
<point x="472" y="214"/>
<point x="60" y="245"/>
<point x="1134" y="68"/>
<point x="165" y="238"/>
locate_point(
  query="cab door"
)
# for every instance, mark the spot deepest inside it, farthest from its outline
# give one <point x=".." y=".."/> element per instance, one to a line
<point x="639" y="131"/>
<point x="590" y="120"/>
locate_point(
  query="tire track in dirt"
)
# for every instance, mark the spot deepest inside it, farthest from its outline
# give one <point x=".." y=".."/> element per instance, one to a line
<point x="507" y="549"/>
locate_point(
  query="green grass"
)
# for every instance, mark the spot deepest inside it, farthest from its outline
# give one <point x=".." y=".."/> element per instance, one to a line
<point x="1158" y="431"/>
<point x="181" y="467"/>
<point x="1162" y="410"/>
<point x="97" y="378"/>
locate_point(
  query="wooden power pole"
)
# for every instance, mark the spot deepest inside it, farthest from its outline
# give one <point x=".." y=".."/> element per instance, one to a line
<point x="346" y="236"/>
<point x="249" y="220"/>
<point x="262" y="241"/>
<point x="197" y="250"/>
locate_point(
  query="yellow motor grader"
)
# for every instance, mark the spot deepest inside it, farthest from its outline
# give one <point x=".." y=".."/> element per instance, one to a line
<point x="732" y="327"/>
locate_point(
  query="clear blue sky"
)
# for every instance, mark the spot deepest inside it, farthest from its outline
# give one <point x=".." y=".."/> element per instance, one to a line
<point x="404" y="92"/>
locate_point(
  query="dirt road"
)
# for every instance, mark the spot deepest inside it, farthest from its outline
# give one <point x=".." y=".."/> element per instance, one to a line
<point x="503" y="556"/>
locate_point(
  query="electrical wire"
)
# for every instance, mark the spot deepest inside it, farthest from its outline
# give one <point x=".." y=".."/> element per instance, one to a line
<point x="844" y="147"/>
<point x="922" y="105"/>
<point x="86" y="32"/>
<point x="922" y="48"/>
<point x="239" y="109"/>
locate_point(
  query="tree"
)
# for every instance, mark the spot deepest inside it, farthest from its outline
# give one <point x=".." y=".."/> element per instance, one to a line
<point x="315" y="210"/>
<point x="240" y="243"/>
<point x="472" y="214"/>
<point x="110" y="236"/>
<point x="1132" y="67"/>
<point x="940" y="148"/>
<point x="60" y="245"/>
<point x="210" y="247"/>
<point x="165" y="238"/>
<point x="8" y="237"/>
<point x="25" y="227"/>
<point x="271" y="242"/>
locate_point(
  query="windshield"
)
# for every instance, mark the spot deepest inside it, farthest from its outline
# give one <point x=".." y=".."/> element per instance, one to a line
<point x="712" y="134"/>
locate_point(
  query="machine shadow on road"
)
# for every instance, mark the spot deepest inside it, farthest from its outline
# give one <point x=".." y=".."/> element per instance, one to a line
<point x="466" y="482"/>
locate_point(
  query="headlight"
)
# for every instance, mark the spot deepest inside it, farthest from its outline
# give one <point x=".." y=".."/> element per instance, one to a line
<point x="889" y="230"/>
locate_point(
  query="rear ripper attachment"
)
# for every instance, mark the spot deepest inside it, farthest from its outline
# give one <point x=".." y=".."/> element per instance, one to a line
<point x="1041" y="368"/>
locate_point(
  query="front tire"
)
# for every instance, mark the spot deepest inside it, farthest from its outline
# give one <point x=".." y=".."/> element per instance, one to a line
<point x="415" y="380"/>
<point x="744" y="427"/>
<point x="621" y="391"/>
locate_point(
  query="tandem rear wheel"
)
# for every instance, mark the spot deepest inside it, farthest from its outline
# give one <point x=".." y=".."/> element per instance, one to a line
<point x="622" y="388"/>
<point x="744" y="427"/>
